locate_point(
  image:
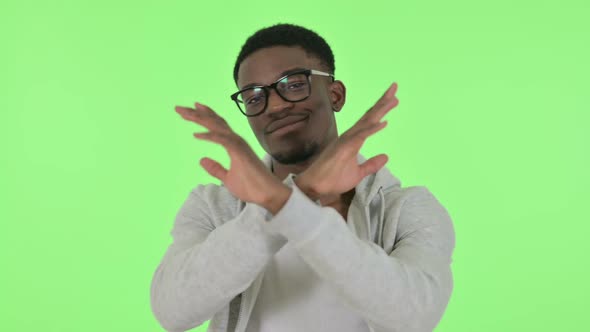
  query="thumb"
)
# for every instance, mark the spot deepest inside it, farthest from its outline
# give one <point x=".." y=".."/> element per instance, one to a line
<point x="374" y="164"/>
<point x="214" y="168"/>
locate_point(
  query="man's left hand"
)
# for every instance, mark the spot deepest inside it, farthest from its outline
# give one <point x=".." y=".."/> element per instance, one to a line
<point x="336" y="170"/>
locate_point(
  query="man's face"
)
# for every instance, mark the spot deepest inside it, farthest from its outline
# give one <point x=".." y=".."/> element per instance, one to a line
<point x="316" y="127"/>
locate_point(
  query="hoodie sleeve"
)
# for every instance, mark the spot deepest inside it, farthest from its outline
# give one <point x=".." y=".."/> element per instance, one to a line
<point x="406" y="290"/>
<point x="206" y="267"/>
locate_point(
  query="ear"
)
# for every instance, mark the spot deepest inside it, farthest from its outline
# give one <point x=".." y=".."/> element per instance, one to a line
<point x="337" y="95"/>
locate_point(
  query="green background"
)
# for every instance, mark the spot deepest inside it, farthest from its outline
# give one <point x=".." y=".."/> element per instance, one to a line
<point x="95" y="162"/>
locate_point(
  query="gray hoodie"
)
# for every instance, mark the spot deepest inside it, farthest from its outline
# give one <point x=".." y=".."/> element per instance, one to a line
<point x="390" y="260"/>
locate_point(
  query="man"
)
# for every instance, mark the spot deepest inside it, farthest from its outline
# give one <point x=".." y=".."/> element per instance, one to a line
<point x="313" y="237"/>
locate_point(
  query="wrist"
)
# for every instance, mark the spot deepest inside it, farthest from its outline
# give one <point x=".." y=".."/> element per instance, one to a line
<point x="276" y="199"/>
<point x="306" y="187"/>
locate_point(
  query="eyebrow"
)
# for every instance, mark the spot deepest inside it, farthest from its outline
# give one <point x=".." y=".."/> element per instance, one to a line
<point x="286" y="72"/>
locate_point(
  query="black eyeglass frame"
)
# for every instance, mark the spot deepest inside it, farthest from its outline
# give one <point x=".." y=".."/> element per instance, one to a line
<point x="267" y="88"/>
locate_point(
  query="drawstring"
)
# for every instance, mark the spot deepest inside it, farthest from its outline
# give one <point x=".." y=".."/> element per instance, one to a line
<point x="380" y="220"/>
<point x="381" y="216"/>
<point x="379" y="226"/>
<point x="367" y="222"/>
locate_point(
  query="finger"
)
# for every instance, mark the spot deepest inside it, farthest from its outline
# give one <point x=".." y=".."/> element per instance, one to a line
<point x="374" y="128"/>
<point x="213" y="137"/>
<point x="230" y="144"/>
<point x="366" y="131"/>
<point x="382" y="108"/>
<point x="383" y="105"/>
<point x="379" y="110"/>
<point x="206" y="110"/>
<point x="389" y="94"/>
<point x="189" y="114"/>
<point x="204" y="117"/>
<point x="374" y="164"/>
<point x="214" y="168"/>
<point x="355" y="141"/>
<point x="199" y="116"/>
<point x="392" y="90"/>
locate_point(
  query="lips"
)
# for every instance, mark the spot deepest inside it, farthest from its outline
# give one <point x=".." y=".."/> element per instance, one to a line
<point x="284" y="122"/>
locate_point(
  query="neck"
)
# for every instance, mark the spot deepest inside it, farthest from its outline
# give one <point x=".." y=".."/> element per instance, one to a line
<point x="282" y="170"/>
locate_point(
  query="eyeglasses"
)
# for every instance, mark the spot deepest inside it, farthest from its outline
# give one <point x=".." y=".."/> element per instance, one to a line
<point x="294" y="87"/>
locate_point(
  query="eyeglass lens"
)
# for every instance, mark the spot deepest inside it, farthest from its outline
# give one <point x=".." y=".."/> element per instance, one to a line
<point x="292" y="88"/>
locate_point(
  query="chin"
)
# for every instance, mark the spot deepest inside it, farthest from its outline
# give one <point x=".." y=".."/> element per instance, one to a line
<point x="296" y="154"/>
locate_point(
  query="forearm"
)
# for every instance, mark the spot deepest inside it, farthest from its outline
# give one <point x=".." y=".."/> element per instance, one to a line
<point x="405" y="291"/>
<point x="193" y="282"/>
<point x="392" y="293"/>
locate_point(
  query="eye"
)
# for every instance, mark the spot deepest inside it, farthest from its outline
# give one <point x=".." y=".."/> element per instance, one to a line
<point x="296" y="85"/>
<point x="253" y="100"/>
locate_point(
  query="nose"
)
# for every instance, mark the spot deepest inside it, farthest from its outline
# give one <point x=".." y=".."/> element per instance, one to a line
<point x="276" y="103"/>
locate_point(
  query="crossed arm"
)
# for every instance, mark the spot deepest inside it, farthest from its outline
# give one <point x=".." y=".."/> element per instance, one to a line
<point x="405" y="290"/>
<point x="321" y="179"/>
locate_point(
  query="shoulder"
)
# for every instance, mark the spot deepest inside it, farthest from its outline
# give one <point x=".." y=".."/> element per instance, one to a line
<point x="414" y="197"/>
<point x="212" y="201"/>
<point x="213" y="192"/>
<point x="415" y="210"/>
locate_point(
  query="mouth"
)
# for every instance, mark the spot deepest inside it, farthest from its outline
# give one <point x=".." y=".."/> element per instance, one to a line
<point x="288" y="126"/>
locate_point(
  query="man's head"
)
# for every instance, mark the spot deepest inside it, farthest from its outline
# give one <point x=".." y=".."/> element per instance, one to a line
<point x="263" y="59"/>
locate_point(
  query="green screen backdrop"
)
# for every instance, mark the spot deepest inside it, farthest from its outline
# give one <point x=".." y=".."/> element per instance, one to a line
<point x="95" y="162"/>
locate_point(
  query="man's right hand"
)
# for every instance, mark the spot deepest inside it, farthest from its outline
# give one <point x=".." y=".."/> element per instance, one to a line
<point x="247" y="177"/>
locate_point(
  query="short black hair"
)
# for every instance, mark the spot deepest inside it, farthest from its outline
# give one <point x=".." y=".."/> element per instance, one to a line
<point x="285" y="34"/>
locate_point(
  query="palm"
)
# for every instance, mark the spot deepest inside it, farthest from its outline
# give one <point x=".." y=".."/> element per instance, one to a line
<point x="242" y="178"/>
<point x="336" y="170"/>
<point x="246" y="174"/>
<point x="348" y="176"/>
